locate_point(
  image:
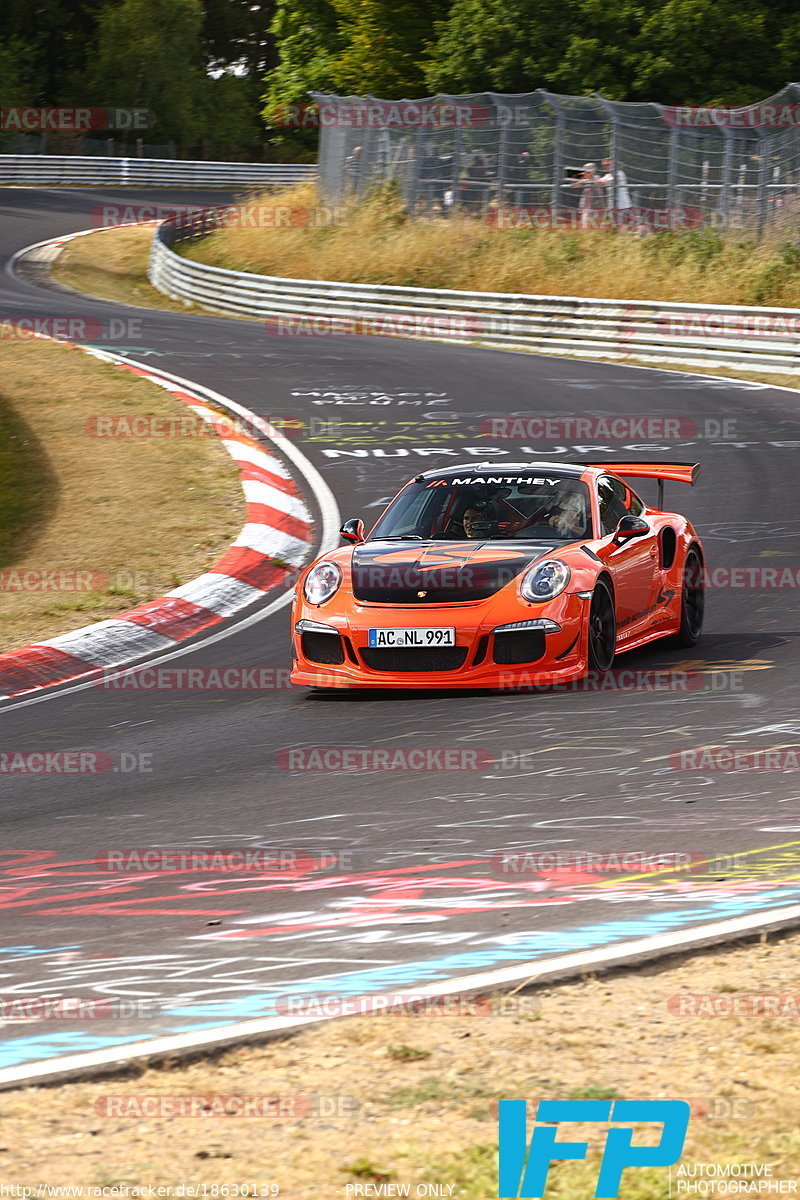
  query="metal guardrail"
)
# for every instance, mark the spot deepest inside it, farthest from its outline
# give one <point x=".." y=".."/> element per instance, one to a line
<point x="93" y="171"/>
<point x="760" y="339"/>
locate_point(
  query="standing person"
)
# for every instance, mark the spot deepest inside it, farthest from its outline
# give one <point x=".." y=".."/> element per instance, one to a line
<point x="618" y="197"/>
<point x="474" y="187"/>
<point x="518" y="175"/>
<point x="352" y="166"/>
<point x="591" y="194"/>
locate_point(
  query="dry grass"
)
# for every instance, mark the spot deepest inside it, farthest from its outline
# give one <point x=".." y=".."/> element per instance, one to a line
<point x="141" y="515"/>
<point x="115" y="266"/>
<point x="429" y="1116"/>
<point x="375" y="242"/>
<point x="112" y="263"/>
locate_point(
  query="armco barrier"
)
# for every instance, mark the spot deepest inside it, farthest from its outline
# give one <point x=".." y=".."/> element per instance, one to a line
<point x="760" y="339"/>
<point x="92" y="171"/>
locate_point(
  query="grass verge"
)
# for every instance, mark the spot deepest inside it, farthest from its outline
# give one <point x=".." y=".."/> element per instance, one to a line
<point x="376" y="242"/>
<point x="112" y="263"/>
<point x="92" y="525"/>
<point x="425" y="1090"/>
<point x="115" y="267"/>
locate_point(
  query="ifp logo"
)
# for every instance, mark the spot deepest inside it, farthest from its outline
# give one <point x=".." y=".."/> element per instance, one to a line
<point x="523" y="1169"/>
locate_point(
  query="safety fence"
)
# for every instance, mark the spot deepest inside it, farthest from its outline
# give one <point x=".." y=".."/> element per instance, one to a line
<point x="758" y="339"/>
<point x="92" y="171"/>
<point x="585" y="161"/>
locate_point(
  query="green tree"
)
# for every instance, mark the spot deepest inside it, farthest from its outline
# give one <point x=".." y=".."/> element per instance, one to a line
<point x="697" y="52"/>
<point x="149" y="55"/>
<point x="20" y="81"/>
<point x="309" y="40"/>
<point x="672" y="51"/>
<point x="238" y="32"/>
<point x="384" y="45"/>
<point x="229" y="117"/>
<point x="58" y="35"/>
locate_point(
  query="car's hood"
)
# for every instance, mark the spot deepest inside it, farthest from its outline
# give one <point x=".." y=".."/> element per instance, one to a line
<point x="439" y="572"/>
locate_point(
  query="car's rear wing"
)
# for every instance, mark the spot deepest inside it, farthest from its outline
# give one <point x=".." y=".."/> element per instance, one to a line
<point x="680" y="472"/>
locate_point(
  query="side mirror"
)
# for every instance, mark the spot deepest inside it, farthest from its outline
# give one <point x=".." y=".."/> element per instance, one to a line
<point x="630" y="527"/>
<point x="353" y="531"/>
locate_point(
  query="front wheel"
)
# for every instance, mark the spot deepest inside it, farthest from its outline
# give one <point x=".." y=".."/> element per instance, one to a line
<point x="602" y="628"/>
<point x="693" y="601"/>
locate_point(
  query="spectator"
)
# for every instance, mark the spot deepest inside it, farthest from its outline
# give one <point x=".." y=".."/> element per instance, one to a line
<point x="591" y="195"/>
<point x="352" y="166"/>
<point x="518" y="175"/>
<point x="618" y="197"/>
<point x="474" y="187"/>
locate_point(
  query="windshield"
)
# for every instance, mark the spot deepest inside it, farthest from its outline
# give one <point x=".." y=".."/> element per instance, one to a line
<point x="476" y="509"/>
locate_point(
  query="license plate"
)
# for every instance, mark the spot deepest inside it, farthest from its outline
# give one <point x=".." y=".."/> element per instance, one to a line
<point x="400" y="638"/>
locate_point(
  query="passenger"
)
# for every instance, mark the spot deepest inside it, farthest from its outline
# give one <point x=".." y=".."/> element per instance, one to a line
<point x="569" y="519"/>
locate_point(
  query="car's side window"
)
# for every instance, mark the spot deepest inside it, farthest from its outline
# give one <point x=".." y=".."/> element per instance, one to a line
<point x="612" y="495"/>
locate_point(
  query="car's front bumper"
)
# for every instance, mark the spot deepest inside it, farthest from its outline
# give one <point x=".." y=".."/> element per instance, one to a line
<point x="558" y="656"/>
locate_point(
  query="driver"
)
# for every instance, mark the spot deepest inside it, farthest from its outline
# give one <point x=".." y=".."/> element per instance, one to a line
<point x="478" y="522"/>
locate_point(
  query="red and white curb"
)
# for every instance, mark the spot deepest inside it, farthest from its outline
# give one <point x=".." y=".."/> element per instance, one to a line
<point x="277" y="539"/>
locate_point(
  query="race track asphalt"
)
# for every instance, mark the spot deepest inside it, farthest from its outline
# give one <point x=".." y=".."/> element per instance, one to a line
<point x="416" y="895"/>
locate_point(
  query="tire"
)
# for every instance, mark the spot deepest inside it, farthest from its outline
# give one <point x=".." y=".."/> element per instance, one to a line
<point x="693" y="601"/>
<point x="602" y="628"/>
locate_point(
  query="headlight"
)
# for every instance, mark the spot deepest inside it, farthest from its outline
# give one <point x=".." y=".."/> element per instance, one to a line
<point x="322" y="582"/>
<point x="545" y="580"/>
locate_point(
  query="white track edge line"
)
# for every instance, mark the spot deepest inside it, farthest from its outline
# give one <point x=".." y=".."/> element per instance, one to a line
<point x="527" y="972"/>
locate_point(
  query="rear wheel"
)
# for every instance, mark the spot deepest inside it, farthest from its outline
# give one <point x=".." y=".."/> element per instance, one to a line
<point x="693" y="601"/>
<point x="602" y="628"/>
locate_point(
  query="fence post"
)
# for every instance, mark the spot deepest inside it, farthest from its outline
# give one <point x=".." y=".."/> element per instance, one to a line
<point x="502" y="151"/>
<point x="365" y="172"/>
<point x="762" y="200"/>
<point x="727" y="171"/>
<point x="414" y="180"/>
<point x="672" y="169"/>
<point x="558" y="150"/>
<point x="457" y="146"/>
<point x="614" y="124"/>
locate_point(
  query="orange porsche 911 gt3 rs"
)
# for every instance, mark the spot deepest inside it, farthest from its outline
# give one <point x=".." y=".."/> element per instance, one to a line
<point x="499" y="576"/>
